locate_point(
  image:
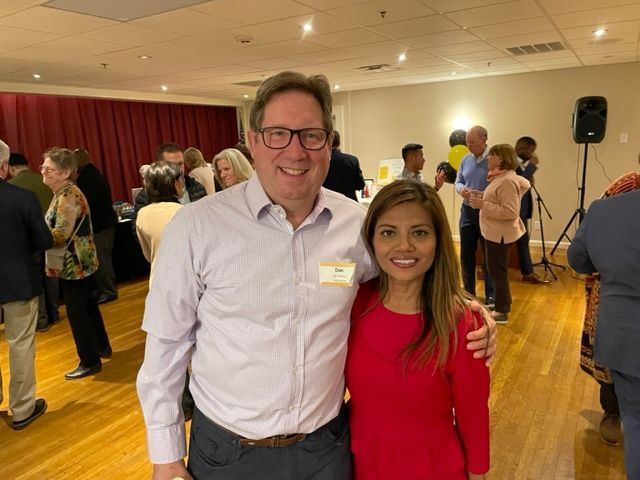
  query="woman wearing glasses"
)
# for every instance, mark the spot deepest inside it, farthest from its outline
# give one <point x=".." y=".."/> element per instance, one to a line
<point x="230" y="167"/>
<point x="74" y="261"/>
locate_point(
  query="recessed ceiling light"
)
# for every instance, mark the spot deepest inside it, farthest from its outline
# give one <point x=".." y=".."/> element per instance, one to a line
<point x="599" y="32"/>
<point x="164" y="88"/>
<point x="453" y="73"/>
<point x="402" y="57"/>
<point x="144" y="57"/>
<point x="307" y="27"/>
<point x="246" y="96"/>
<point x="336" y="87"/>
<point x="37" y="76"/>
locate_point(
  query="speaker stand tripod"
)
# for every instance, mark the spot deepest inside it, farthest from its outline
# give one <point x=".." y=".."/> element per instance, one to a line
<point x="545" y="261"/>
<point x="580" y="211"/>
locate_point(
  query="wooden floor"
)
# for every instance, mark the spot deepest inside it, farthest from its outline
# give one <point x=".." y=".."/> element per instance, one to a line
<point x="544" y="410"/>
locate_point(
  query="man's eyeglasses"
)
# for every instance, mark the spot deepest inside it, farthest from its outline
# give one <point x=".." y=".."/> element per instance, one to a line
<point x="280" y="137"/>
<point x="45" y="169"/>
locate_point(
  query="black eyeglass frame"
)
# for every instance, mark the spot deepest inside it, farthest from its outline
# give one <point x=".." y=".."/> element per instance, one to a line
<point x="293" y="132"/>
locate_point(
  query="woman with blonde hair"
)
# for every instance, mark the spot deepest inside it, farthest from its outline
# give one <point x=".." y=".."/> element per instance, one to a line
<point x="198" y="169"/>
<point x="500" y="222"/>
<point x="231" y="167"/>
<point x="419" y="400"/>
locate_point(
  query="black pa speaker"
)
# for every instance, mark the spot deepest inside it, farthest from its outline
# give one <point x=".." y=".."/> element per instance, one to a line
<point x="590" y="120"/>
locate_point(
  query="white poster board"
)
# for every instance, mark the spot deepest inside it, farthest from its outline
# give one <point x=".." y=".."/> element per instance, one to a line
<point x="390" y="170"/>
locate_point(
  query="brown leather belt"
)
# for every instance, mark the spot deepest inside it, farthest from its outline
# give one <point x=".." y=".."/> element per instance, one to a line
<point x="277" y="441"/>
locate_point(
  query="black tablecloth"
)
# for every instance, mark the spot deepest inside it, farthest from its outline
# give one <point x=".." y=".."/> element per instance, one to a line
<point x="128" y="260"/>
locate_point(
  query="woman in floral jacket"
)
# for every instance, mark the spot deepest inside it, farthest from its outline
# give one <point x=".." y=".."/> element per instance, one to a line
<point x="74" y="260"/>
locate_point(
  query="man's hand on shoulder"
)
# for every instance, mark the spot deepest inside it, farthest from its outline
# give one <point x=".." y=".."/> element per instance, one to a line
<point x="483" y="340"/>
<point x="170" y="471"/>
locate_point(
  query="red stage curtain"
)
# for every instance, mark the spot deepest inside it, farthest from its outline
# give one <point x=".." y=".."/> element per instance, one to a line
<point x="119" y="135"/>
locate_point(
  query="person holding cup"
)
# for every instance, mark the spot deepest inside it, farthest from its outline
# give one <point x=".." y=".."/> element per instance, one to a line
<point x="500" y="222"/>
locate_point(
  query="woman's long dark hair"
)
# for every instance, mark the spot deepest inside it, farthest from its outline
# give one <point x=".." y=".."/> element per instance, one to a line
<point x="442" y="299"/>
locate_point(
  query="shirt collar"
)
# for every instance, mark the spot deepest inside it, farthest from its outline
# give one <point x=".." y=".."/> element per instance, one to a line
<point x="260" y="203"/>
<point x="483" y="156"/>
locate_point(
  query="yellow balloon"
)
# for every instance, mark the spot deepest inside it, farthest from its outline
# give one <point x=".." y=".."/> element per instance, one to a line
<point x="456" y="154"/>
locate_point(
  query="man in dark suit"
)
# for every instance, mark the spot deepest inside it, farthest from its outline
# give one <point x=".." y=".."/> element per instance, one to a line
<point x="608" y="242"/>
<point x="527" y="166"/>
<point x="22" y="176"/>
<point x="95" y="188"/>
<point x="344" y="174"/>
<point x="23" y="235"/>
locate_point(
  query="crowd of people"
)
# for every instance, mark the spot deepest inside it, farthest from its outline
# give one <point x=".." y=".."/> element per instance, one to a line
<point x="256" y="342"/>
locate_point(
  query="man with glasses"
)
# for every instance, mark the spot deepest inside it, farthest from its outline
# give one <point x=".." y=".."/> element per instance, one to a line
<point x="255" y="286"/>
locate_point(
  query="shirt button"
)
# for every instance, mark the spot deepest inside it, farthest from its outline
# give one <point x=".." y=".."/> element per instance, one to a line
<point x="296" y="369"/>
<point x="291" y="408"/>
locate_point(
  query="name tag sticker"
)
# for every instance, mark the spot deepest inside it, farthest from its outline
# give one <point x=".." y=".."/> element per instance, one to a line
<point x="338" y="274"/>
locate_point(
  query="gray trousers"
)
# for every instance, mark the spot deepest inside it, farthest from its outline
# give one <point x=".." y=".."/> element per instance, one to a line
<point x="628" y="392"/>
<point x="20" y="331"/>
<point x="105" y="276"/>
<point x="214" y="453"/>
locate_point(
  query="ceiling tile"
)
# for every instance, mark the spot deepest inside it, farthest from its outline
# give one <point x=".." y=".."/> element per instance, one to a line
<point x="477" y="46"/>
<point x="130" y="35"/>
<point x="605" y="43"/>
<point x="331" y="4"/>
<point x="15" y="38"/>
<point x="42" y="19"/>
<point x="440" y="39"/>
<point x="249" y="11"/>
<point x="599" y="17"/>
<point x="518" y="27"/>
<point x="186" y="22"/>
<point x="485" y="55"/>
<point x="346" y="39"/>
<point x="444" y="6"/>
<point x="7" y="8"/>
<point x="554" y="7"/>
<point x="501" y="13"/>
<point x="614" y="30"/>
<point x="279" y="63"/>
<point x="416" y="26"/>
<point x="368" y="14"/>
<point x="291" y="29"/>
<point x="603" y="60"/>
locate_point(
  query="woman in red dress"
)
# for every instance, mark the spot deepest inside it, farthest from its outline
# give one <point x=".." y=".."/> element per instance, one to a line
<point x="418" y="407"/>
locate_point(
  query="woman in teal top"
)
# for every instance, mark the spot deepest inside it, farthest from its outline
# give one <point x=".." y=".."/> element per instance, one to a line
<point x="69" y="220"/>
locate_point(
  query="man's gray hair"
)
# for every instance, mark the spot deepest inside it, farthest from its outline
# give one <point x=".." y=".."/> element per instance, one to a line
<point x="5" y="151"/>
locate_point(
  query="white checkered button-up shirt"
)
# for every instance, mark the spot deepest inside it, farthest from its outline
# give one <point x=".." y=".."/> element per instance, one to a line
<point x="235" y="280"/>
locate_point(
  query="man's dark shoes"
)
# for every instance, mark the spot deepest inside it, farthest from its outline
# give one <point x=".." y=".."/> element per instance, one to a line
<point x="610" y="431"/>
<point x="43" y="328"/>
<point x="104" y="298"/>
<point x="82" y="372"/>
<point x="39" y="408"/>
<point x="535" y="279"/>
